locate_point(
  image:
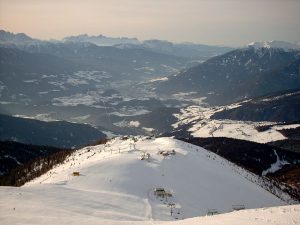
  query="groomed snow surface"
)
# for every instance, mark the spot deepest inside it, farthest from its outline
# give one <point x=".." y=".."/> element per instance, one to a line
<point x="284" y="215"/>
<point x="116" y="187"/>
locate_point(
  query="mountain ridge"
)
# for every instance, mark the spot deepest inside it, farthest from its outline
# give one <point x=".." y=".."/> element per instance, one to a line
<point x="57" y="133"/>
<point x="287" y="46"/>
<point x="233" y="76"/>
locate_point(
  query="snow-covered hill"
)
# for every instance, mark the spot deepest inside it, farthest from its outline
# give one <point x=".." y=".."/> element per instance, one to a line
<point x="198" y="121"/>
<point x="114" y="186"/>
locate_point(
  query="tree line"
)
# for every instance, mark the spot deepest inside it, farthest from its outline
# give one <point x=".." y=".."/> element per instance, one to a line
<point x="34" y="168"/>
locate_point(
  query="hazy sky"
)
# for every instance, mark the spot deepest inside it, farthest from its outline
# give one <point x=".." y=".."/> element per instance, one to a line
<point x="222" y="22"/>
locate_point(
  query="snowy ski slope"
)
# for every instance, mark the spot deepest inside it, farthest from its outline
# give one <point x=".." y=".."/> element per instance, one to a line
<point x="116" y="187"/>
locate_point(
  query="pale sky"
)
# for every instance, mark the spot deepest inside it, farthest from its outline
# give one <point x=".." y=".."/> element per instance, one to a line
<point x="221" y="22"/>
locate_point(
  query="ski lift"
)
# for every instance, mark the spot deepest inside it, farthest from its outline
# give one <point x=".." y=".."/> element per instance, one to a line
<point x="212" y="212"/>
<point x="238" y="207"/>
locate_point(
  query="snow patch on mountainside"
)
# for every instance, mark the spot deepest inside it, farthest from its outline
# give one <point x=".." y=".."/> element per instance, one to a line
<point x="275" y="166"/>
<point x="279" y="97"/>
<point x="275" y="44"/>
<point x="200" y="125"/>
<point x="46" y="117"/>
<point x="159" y="79"/>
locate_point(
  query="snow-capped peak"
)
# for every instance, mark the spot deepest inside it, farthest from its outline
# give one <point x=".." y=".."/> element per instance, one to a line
<point x="287" y="46"/>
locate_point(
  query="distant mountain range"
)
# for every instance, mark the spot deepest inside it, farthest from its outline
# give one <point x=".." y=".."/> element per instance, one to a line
<point x="101" y="40"/>
<point x="187" y="50"/>
<point x="9" y="38"/>
<point x="132" y="86"/>
<point x="237" y="75"/>
<point x="275" y="44"/>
